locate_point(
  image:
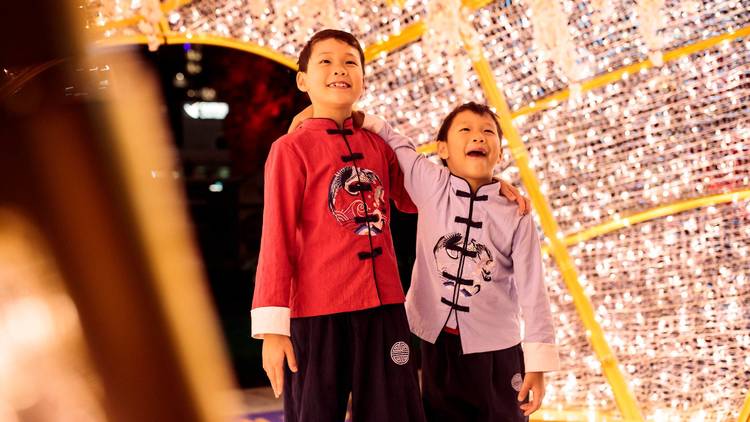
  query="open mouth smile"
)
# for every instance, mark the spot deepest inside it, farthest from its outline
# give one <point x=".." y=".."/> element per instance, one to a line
<point x="477" y="153"/>
<point x="339" y="85"/>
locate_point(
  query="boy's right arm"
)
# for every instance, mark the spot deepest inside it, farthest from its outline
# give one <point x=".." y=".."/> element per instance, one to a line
<point x="421" y="176"/>
<point x="282" y="196"/>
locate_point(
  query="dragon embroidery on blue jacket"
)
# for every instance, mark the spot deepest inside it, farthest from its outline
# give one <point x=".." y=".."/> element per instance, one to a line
<point x="477" y="268"/>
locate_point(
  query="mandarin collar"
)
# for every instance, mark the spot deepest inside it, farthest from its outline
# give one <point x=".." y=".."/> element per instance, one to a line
<point x="459" y="183"/>
<point x="324" y="123"/>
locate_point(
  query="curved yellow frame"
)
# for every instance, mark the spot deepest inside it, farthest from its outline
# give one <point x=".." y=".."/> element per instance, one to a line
<point x="251" y="48"/>
<point x="558" y="244"/>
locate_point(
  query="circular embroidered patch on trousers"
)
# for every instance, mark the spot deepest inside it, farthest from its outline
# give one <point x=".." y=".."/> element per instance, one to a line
<point x="516" y="382"/>
<point x="400" y="353"/>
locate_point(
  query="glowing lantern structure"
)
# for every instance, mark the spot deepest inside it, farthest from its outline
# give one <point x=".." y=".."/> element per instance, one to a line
<point x="627" y="123"/>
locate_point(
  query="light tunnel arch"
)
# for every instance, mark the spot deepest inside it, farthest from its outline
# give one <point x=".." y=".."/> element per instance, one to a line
<point x="559" y="243"/>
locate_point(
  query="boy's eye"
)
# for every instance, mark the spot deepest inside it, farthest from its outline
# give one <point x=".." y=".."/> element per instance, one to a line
<point x="325" y="61"/>
<point x="489" y="131"/>
<point x="464" y="129"/>
<point x="351" y="62"/>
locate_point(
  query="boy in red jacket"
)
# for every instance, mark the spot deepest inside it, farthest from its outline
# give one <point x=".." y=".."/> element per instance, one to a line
<point x="328" y="298"/>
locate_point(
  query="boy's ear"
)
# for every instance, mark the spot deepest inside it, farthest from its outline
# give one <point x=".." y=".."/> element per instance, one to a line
<point x="442" y="148"/>
<point x="301" y="81"/>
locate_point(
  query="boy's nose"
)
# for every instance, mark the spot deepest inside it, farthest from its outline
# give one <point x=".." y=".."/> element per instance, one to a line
<point x="339" y="72"/>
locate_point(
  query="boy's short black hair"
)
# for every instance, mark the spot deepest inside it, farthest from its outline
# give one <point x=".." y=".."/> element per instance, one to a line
<point x="475" y="108"/>
<point x="343" y="36"/>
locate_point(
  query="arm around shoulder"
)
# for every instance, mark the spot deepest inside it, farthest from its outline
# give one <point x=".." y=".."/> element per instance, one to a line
<point x="421" y="176"/>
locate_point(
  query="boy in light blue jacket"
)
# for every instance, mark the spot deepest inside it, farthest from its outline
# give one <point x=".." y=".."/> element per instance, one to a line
<point x="477" y="276"/>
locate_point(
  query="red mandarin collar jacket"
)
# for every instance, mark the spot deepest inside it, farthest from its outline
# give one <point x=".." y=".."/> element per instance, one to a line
<point x="326" y="243"/>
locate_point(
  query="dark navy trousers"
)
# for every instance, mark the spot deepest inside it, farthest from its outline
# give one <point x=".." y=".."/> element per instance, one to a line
<point x="366" y="353"/>
<point x="477" y="387"/>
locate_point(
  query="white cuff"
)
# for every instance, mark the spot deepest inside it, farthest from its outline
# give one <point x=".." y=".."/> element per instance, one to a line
<point x="269" y="320"/>
<point x="540" y="357"/>
<point x="373" y="123"/>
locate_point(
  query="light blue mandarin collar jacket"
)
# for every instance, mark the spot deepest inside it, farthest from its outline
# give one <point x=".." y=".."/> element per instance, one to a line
<point x="478" y="263"/>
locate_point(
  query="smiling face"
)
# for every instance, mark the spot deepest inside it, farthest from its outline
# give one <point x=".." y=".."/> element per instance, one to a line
<point x="472" y="147"/>
<point x="334" y="76"/>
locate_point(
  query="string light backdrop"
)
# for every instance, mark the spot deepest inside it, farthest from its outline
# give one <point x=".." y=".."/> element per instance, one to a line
<point x="635" y="119"/>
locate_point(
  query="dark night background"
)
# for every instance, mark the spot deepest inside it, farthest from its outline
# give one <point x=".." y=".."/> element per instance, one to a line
<point x="230" y="154"/>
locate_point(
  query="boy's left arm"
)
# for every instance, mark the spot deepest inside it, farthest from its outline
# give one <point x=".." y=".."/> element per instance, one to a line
<point x="539" y="348"/>
<point x="534" y="382"/>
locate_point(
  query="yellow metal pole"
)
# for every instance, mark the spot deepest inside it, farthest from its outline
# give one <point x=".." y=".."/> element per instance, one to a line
<point x="409" y="35"/>
<point x="623" y="396"/>
<point x="164" y="30"/>
<point x="745" y="412"/>
<point x="399" y="3"/>
<point x="170" y="5"/>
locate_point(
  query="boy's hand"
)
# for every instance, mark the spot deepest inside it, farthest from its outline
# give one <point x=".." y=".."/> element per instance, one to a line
<point x="510" y="192"/>
<point x="303" y="115"/>
<point x="275" y="348"/>
<point x="533" y="381"/>
<point x="358" y="117"/>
